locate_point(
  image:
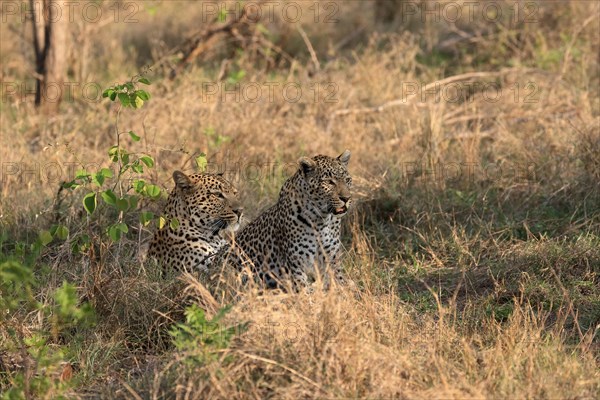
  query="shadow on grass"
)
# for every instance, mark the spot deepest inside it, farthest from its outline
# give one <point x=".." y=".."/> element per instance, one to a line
<point x="482" y="251"/>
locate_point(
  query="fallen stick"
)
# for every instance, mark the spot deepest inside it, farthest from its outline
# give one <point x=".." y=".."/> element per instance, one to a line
<point x="407" y="101"/>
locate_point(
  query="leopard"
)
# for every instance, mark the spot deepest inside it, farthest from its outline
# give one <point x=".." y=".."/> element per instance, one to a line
<point x="202" y="212"/>
<point x="296" y="241"/>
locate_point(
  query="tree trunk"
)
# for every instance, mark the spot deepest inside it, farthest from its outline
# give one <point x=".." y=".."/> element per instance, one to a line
<point x="49" y="19"/>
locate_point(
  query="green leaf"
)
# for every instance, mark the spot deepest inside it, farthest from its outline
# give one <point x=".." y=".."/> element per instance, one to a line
<point x="149" y="161"/>
<point x="66" y="298"/>
<point x="15" y="273"/>
<point x="122" y="226"/>
<point x="89" y="202"/>
<point x="201" y="162"/>
<point x="152" y="191"/>
<point x="45" y="237"/>
<point x="106" y="172"/>
<point x="113" y="96"/>
<point x="146" y="217"/>
<point x="138" y="185"/>
<point x="136" y="167"/>
<point x="114" y="233"/>
<point x="143" y="80"/>
<point x="81" y="173"/>
<point x="122" y="204"/>
<point x="133" y="202"/>
<point x="142" y="94"/>
<point x="138" y="102"/>
<point x="70" y="185"/>
<point x="108" y="92"/>
<point x="124" y="99"/>
<point x="135" y="137"/>
<point x="53" y="229"/>
<point x="36" y="340"/>
<point x="236" y="76"/>
<point x="174" y="223"/>
<point x="222" y="15"/>
<point x="98" y="179"/>
<point x="62" y="232"/>
<point x="113" y="152"/>
<point x="109" y="197"/>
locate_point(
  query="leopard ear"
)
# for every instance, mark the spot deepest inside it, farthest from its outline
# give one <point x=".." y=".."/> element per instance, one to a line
<point x="344" y="157"/>
<point x="182" y="181"/>
<point x="307" y="165"/>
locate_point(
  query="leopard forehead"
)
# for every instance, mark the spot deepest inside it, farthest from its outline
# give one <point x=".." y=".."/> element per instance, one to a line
<point x="210" y="194"/>
<point x="330" y="167"/>
<point x="206" y="183"/>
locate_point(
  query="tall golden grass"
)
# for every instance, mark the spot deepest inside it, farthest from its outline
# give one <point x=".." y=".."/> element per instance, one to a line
<point x="474" y="244"/>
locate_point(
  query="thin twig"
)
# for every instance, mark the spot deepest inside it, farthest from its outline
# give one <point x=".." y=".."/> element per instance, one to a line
<point x="407" y="101"/>
<point x="285" y="367"/>
<point x="132" y="392"/>
<point x="311" y="50"/>
<point x="580" y="28"/>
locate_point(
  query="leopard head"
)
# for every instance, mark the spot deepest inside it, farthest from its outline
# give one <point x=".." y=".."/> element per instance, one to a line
<point x="208" y="201"/>
<point x="327" y="182"/>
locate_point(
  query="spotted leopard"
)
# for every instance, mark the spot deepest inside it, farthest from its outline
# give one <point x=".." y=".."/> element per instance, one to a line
<point x="204" y="207"/>
<point x="296" y="240"/>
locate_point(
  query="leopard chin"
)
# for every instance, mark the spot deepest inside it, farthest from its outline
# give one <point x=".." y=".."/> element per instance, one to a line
<point x="231" y="224"/>
<point x="233" y="227"/>
<point x="340" y="210"/>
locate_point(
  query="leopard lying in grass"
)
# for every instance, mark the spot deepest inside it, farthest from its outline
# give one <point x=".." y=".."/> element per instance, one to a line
<point x="297" y="240"/>
<point x="205" y="207"/>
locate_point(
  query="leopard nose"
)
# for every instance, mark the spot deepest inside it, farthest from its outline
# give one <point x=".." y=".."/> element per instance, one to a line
<point x="344" y="198"/>
<point x="238" y="211"/>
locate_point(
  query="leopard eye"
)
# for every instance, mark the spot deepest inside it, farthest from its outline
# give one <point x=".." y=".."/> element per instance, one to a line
<point x="219" y="194"/>
<point x="330" y="182"/>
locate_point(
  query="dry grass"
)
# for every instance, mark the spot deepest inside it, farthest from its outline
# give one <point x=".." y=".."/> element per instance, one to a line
<point x="474" y="244"/>
<point x="359" y="344"/>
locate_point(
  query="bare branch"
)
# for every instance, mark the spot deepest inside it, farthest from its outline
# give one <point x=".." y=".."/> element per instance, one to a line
<point x="311" y="50"/>
<point x="408" y="100"/>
